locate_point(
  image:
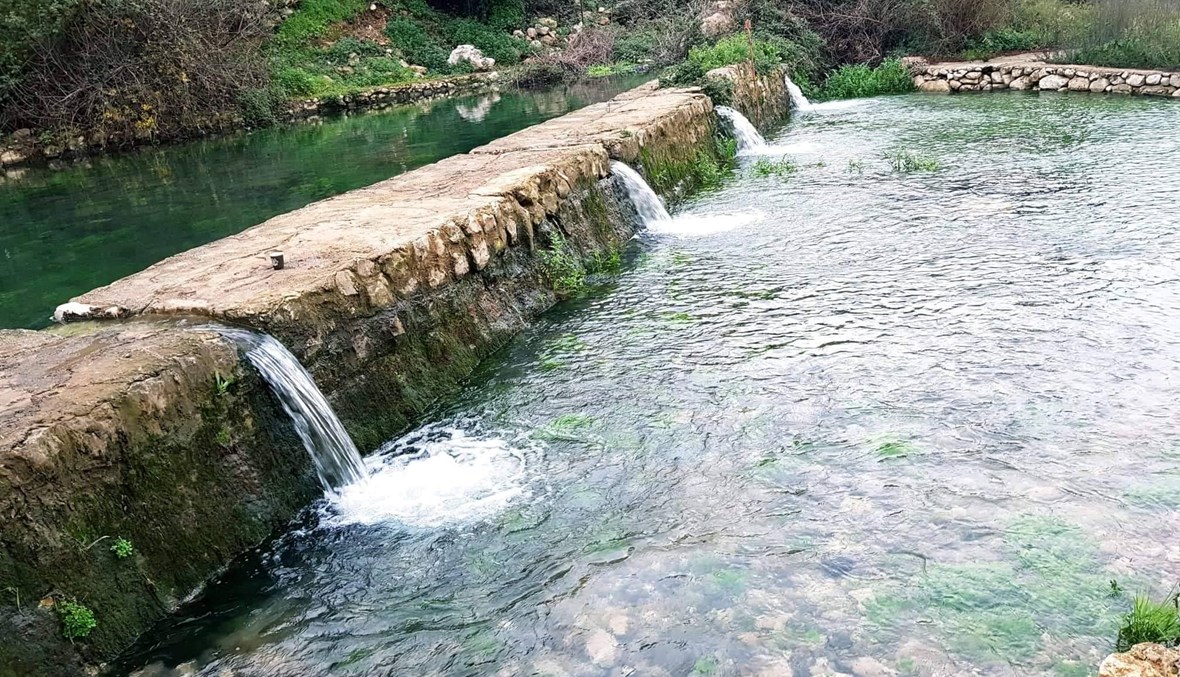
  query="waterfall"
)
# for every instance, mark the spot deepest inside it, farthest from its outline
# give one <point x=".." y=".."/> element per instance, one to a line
<point x="748" y="138"/>
<point x="798" y="101"/>
<point x="337" y="461"/>
<point x="647" y="203"/>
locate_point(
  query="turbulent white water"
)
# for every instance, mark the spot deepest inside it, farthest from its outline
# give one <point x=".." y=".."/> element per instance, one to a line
<point x="647" y="203"/>
<point x="436" y="476"/>
<point x="748" y="138"/>
<point x="798" y="101"/>
<point x="699" y="225"/>
<point x="337" y="461"/>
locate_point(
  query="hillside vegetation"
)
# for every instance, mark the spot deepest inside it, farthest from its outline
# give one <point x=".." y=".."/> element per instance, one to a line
<point x="115" y="72"/>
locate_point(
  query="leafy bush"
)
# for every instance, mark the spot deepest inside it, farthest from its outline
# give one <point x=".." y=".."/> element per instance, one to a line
<point x="1150" y="622"/>
<point x="295" y="81"/>
<point x="314" y="18"/>
<point x="416" y="46"/>
<point x="497" y="44"/>
<point x="261" y="107"/>
<point x="855" y="81"/>
<point x="24" y="24"/>
<point x="76" y="620"/>
<point x="506" y="15"/>
<point x="736" y="49"/>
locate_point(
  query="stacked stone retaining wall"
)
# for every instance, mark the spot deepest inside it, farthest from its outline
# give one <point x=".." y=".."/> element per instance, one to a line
<point x="1041" y="76"/>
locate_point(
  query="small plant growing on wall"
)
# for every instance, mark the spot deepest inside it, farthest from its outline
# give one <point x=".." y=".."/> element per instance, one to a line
<point x="77" y="620"/>
<point x="223" y="384"/>
<point x="122" y="548"/>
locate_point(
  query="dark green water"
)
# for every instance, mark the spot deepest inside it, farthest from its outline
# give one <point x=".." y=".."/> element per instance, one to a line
<point x="64" y="232"/>
<point x="836" y="420"/>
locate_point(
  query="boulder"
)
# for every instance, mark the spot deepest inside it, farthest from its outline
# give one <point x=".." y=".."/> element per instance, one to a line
<point x="1143" y="660"/>
<point x="718" y="23"/>
<point x="548" y="40"/>
<point x="1052" y="83"/>
<point x="531" y="33"/>
<point x="1135" y="80"/>
<point x="1099" y="85"/>
<point x="937" y="85"/>
<point x="1153" y="79"/>
<point x="472" y="55"/>
<point x="1174" y="80"/>
<point x="1078" y="84"/>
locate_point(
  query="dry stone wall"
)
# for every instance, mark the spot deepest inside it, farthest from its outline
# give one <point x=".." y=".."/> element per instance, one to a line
<point x="1040" y="76"/>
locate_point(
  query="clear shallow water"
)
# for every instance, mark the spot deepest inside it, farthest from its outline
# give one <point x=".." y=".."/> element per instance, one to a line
<point x="64" y="232"/>
<point x="898" y="423"/>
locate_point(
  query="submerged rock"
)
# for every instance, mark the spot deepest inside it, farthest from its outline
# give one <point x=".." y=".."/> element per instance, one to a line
<point x="1143" y="660"/>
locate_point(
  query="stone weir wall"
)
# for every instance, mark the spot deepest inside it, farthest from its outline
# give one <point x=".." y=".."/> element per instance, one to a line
<point x="1041" y="76"/>
<point x="150" y="428"/>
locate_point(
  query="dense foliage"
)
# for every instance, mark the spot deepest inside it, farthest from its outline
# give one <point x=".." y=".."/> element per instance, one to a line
<point x="125" y="70"/>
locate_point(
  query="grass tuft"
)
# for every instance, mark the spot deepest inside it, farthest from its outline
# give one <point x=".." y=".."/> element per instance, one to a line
<point x="1149" y="621"/>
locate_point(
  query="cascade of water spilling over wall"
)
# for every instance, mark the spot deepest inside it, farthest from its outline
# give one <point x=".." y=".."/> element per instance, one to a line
<point x="646" y="202"/>
<point x="337" y="461"/>
<point x="748" y="138"/>
<point x="798" y="101"/>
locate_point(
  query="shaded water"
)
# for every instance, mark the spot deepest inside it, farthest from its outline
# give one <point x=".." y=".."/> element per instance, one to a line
<point x="65" y="232"/>
<point x="899" y="424"/>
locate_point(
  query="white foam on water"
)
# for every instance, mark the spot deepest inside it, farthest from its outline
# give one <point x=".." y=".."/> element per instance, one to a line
<point x="699" y="225"/>
<point x="434" y="477"/>
<point x="800" y="148"/>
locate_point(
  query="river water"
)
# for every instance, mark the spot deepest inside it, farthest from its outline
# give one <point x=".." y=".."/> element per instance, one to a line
<point x="868" y="421"/>
<point x="66" y="231"/>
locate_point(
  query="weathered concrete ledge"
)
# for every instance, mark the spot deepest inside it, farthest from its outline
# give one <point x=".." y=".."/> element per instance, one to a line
<point x="150" y="429"/>
<point x="1026" y="74"/>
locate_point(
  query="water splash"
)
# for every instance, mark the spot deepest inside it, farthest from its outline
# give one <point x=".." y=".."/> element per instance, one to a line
<point x="337" y="461"/>
<point x="748" y="138"/>
<point x="700" y="225"/>
<point x="799" y="102"/>
<point x="436" y="476"/>
<point x="647" y="203"/>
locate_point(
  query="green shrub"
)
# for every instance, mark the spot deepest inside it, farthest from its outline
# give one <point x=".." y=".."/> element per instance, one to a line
<point x="76" y="620"/>
<point x="736" y="49"/>
<point x="1150" y="622"/>
<point x="637" y="45"/>
<point x="506" y="15"/>
<point x="261" y="107"/>
<point x="295" y="81"/>
<point x="416" y="46"/>
<point x="24" y="24"/>
<point x="855" y="81"/>
<point x="495" y="43"/>
<point x="720" y="90"/>
<point x="313" y="18"/>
